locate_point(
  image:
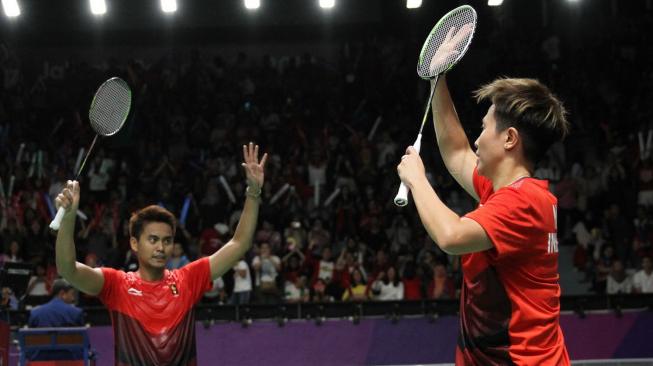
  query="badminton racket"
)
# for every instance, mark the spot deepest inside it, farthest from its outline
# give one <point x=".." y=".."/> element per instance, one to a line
<point x="107" y="114"/>
<point x="445" y="45"/>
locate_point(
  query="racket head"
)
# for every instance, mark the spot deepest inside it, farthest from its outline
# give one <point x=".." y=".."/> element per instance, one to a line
<point x="456" y="19"/>
<point x="110" y="106"/>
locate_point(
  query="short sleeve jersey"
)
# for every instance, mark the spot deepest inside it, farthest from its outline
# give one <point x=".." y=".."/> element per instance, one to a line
<point x="154" y="322"/>
<point x="510" y="298"/>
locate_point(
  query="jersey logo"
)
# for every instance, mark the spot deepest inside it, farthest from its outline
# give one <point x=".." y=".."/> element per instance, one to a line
<point x="135" y="292"/>
<point x="173" y="289"/>
<point x="553" y="237"/>
<point x="553" y="243"/>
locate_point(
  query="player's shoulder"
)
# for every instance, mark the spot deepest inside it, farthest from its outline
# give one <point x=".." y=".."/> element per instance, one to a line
<point x="118" y="276"/>
<point x="529" y="188"/>
<point x="537" y="191"/>
<point x="525" y="195"/>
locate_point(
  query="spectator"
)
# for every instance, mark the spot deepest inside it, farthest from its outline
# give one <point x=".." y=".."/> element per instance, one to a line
<point x="38" y="285"/>
<point x="603" y="268"/>
<point x="643" y="279"/>
<point x="645" y="183"/>
<point x="318" y="235"/>
<point x="620" y="231"/>
<point x="216" y="294"/>
<point x="441" y="286"/>
<point x="293" y="263"/>
<point x="357" y="289"/>
<point x="324" y="267"/>
<point x="8" y="301"/>
<point x="412" y="285"/>
<point x="267" y="267"/>
<point x="566" y="192"/>
<point x="296" y="291"/>
<point x="618" y="281"/>
<point x="211" y="238"/>
<point x="60" y="311"/>
<point x="318" y="292"/>
<point x="242" y="284"/>
<point x="13" y="254"/>
<point x="178" y="259"/>
<point x="388" y="286"/>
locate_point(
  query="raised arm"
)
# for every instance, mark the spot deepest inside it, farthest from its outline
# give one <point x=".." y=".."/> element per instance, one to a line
<point x="458" y="156"/>
<point x="227" y="257"/>
<point x="84" y="278"/>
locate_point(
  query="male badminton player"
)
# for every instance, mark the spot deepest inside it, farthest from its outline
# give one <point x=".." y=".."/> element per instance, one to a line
<point x="509" y="306"/>
<point x="152" y="308"/>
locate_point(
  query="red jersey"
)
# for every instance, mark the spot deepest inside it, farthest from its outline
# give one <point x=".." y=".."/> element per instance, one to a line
<point x="154" y="322"/>
<point x="510" y="298"/>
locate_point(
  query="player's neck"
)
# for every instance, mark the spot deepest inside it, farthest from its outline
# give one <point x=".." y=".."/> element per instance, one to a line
<point x="509" y="176"/>
<point x="150" y="274"/>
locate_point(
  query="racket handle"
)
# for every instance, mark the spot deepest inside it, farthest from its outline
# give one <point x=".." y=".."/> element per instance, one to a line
<point x="401" y="199"/>
<point x="56" y="222"/>
<point x="418" y="143"/>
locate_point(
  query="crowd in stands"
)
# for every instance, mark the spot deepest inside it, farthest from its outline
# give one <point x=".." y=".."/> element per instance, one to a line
<point x="328" y="230"/>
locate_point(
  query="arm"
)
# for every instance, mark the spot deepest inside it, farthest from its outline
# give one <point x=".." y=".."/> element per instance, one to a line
<point x="277" y="263"/>
<point x="256" y="264"/>
<point x="31" y="284"/>
<point x="225" y="258"/>
<point x="453" y="234"/>
<point x="452" y="141"/>
<point x="86" y="279"/>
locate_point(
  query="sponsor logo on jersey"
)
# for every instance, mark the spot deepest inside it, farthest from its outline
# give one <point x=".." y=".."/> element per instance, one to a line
<point x="135" y="292"/>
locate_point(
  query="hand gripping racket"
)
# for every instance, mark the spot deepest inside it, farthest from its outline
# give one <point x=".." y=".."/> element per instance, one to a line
<point x="108" y="113"/>
<point x="443" y="48"/>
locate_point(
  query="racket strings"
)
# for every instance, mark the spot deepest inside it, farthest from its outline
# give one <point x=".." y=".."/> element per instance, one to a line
<point x="456" y="20"/>
<point x="110" y="107"/>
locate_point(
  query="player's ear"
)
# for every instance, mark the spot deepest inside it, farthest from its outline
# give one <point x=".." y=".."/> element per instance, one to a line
<point x="511" y="138"/>
<point x="133" y="243"/>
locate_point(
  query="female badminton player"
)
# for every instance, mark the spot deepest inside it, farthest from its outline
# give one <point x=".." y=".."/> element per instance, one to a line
<point x="509" y="307"/>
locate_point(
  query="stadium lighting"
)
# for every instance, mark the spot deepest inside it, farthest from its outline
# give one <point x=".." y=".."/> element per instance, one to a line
<point x="494" y="2"/>
<point x="413" y="4"/>
<point x="252" y="4"/>
<point x="11" y="8"/>
<point x="169" y="6"/>
<point x="327" y="4"/>
<point x="98" y="7"/>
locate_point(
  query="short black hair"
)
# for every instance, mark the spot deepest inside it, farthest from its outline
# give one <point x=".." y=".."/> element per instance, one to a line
<point x="152" y="213"/>
<point x="60" y="285"/>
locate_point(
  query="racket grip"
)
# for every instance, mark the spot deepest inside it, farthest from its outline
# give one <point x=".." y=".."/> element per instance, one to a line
<point x="56" y="222"/>
<point x="401" y="199"/>
<point x="418" y="143"/>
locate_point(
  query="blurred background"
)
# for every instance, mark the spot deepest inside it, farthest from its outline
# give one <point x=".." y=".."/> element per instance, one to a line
<point x="329" y="89"/>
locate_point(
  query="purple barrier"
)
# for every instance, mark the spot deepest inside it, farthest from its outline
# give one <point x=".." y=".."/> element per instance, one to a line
<point x="379" y="342"/>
